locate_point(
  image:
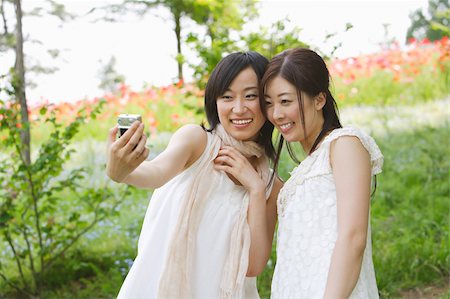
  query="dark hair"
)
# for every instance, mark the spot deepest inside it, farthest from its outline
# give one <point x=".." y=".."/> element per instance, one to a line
<point x="219" y="81"/>
<point x="307" y="71"/>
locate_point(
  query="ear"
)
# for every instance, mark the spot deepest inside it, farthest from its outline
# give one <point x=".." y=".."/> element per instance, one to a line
<point x="320" y="100"/>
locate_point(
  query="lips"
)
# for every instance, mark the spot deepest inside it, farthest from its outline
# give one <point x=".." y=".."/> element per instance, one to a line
<point x="285" y="127"/>
<point x="241" y="122"/>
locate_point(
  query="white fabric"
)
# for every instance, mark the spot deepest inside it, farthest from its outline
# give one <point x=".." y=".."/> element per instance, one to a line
<point x="307" y="228"/>
<point x="212" y="244"/>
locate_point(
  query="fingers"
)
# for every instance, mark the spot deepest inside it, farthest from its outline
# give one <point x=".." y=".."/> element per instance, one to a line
<point x="230" y="155"/>
<point x="123" y="140"/>
<point x="112" y="134"/>
<point x="225" y="159"/>
<point x="223" y="167"/>
<point x="140" y="146"/>
<point x="135" y="138"/>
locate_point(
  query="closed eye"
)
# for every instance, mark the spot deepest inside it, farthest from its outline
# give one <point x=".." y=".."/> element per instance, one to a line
<point x="251" y="96"/>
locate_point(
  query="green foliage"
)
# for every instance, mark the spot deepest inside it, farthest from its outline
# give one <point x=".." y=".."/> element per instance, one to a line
<point x="224" y="39"/>
<point x="410" y="213"/>
<point x="221" y="19"/>
<point x="44" y="209"/>
<point x="274" y="39"/>
<point x="434" y="25"/>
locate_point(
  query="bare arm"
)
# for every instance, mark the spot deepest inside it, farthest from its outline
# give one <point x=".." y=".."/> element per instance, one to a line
<point x="351" y="170"/>
<point x="262" y="214"/>
<point x="185" y="147"/>
<point x="262" y="218"/>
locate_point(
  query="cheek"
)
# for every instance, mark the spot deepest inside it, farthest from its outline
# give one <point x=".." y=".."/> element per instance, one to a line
<point x="255" y="107"/>
<point x="221" y="112"/>
<point x="269" y="112"/>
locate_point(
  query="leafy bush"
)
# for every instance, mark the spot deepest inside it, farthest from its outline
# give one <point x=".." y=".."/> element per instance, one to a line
<point x="44" y="209"/>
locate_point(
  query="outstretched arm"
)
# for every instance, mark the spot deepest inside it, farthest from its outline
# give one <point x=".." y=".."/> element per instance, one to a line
<point x="185" y="147"/>
<point x="351" y="170"/>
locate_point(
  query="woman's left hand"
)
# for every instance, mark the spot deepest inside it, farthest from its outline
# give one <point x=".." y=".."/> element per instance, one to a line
<point x="234" y="163"/>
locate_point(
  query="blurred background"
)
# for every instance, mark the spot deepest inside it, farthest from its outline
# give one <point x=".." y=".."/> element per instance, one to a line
<point x="68" y="68"/>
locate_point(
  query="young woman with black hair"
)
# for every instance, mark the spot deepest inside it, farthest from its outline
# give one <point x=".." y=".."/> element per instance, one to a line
<point x="202" y="231"/>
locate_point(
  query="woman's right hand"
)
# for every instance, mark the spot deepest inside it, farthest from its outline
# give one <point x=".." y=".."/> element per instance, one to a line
<point x="126" y="153"/>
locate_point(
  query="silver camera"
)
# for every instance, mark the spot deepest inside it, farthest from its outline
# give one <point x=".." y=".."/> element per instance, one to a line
<point x="125" y="121"/>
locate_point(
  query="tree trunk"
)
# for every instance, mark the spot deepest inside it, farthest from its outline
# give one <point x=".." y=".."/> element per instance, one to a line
<point x="19" y="86"/>
<point x="177" y="18"/>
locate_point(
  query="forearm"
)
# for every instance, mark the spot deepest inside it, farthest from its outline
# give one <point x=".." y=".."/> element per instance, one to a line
<point x="345" y="267"/>
<point x="261" y="241"/>
<point x="145" y="176"/>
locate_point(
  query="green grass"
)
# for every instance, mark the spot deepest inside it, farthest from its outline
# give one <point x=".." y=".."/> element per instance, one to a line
<point x="410" y="223"/>
<point x="410" y="213"/>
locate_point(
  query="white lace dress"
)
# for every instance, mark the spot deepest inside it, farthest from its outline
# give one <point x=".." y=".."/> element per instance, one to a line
<point x="307" y="229"/>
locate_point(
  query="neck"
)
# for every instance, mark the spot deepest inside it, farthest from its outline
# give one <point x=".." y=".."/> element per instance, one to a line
<point x="311" y="137"/>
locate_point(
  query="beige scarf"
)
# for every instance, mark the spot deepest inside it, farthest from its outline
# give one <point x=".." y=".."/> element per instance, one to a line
<point x="175" y="278"/>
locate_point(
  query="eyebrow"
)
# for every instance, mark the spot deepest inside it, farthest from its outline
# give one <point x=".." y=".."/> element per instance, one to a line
<point x="245" y="89"/>
<point x="282" y="94"/>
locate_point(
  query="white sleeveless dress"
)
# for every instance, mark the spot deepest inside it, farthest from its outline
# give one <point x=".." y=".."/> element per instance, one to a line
<point x="307" y="228"/>
<point x="213" y="238"/>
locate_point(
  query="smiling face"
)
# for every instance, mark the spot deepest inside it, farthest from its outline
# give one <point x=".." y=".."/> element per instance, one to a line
<point x="238" y="108"/>
<point x="284" y="111"/>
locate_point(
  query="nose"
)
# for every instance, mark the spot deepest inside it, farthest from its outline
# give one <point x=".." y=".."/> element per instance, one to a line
<point x="277" y="112"/>
<point x="239" y="106"/>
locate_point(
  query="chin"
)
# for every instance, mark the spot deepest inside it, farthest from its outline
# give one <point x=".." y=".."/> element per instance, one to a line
<point x="290" y="138"/>
<point x="241" y="136"/>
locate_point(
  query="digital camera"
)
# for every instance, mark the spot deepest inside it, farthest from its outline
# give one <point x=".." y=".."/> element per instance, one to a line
<point x="125" y="121"/>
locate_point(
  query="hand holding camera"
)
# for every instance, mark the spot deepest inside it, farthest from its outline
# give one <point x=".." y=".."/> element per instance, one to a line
<point x="124" y="122"/>
<point x="127" y="152"/>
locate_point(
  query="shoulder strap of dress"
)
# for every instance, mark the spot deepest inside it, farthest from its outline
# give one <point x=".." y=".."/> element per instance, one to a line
<point x="376" y="157"/>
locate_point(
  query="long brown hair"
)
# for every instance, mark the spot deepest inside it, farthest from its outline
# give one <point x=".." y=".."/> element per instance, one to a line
<point x="307" y="71"/>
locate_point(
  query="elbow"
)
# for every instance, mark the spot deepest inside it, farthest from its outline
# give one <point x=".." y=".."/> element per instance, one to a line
<point x="356" y="242"/>
<point x="255" y="269"/>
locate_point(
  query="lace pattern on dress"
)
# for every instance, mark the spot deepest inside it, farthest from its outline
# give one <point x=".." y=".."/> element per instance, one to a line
<point x="318" y="163"/>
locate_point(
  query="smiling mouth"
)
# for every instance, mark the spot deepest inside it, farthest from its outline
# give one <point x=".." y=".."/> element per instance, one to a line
<point x="241" y="121"/>
<point x="285" y="127"/>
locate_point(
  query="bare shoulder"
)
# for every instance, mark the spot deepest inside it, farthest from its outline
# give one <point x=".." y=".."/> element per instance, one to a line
<point x="347" y="145"/>
<point x="191" y="133"/>
<point x="348" y="152"/>
<point x="192" y="138"/>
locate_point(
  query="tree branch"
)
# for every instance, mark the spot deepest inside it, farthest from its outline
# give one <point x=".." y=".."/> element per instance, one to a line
<point x="16" y="257"/>
<point x="20" y="290"/>
<point x="2" y="11"/>
<point x="75" y="238"/>
<point x="30" y="253"/>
